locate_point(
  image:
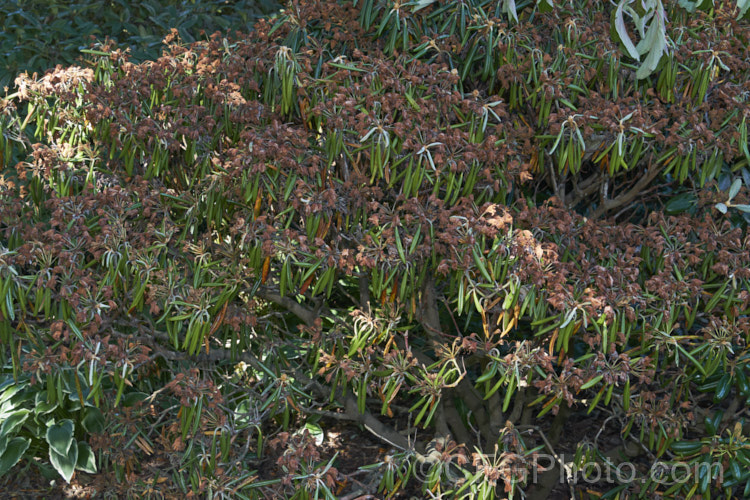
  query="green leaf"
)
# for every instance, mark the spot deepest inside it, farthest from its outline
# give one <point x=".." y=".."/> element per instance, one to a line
<point x="86" y="458"/>
<point x="680" y="203"/>
<point x="60" y="437"/>
<point x="41" y="406"/>
<point x="721" y="207"/>
<point x="545" y="5"/>
<point x="13" y="421"/>
<point x="10" y="391"/>
<point x="723" y="388"/>
<point x="133" y="398"/>
<point x="655" y="43"/>
<point x="509" y="8"/>
<point x="315" y="432"/>
<point x="622" y="31"/>
<point x="742" y="208"/>
<point x="93" y="422"/>
<point x="592" y="382"/>
<point x="65" y="464"/>
<point x="712" y="422"/>
<point x="689" y="5"/>
<point x="13" y="452"/>
<point x="421" y="4"/>
<point x="734" y="188"/>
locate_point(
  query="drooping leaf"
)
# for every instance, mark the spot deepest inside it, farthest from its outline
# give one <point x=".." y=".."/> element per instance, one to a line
<point x="656" y="48"/>
<point x="509" y="8"/>
<point x="622" y="31"/>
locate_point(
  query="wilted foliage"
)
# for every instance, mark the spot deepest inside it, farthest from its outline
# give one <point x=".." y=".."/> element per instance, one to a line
<point x="416" y="215"/>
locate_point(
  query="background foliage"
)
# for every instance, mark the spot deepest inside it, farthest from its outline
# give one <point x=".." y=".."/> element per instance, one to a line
<point x="466" y="228"/>
<point x="38" y="35"/>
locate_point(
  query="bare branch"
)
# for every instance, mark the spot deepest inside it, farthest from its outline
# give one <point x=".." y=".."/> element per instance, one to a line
<point x="304" y="313"/>
<point x="628" y="196"/>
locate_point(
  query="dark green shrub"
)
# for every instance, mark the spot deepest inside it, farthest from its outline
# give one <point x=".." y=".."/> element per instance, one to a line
<point x="486" y="231"/>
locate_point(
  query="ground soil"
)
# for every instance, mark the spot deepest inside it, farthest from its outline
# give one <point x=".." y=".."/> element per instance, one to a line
<point x="354" y="447"/>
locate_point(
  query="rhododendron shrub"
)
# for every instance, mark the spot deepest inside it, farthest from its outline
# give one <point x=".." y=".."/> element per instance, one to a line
<point x="499" y="267"/>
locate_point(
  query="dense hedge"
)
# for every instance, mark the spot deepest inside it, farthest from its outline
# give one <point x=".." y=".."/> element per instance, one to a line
<point x="487" y="232"/>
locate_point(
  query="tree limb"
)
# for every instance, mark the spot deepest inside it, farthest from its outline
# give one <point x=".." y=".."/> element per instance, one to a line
<point x="628" y="196"/>
<point x="304" y="313"/>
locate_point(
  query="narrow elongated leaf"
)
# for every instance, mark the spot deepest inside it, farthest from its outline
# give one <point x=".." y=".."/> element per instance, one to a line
<point x="509" y="8"/>
<point x="622" y="31"/>
<point x="655" y="43"/>
<point x="592" y="382"/>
